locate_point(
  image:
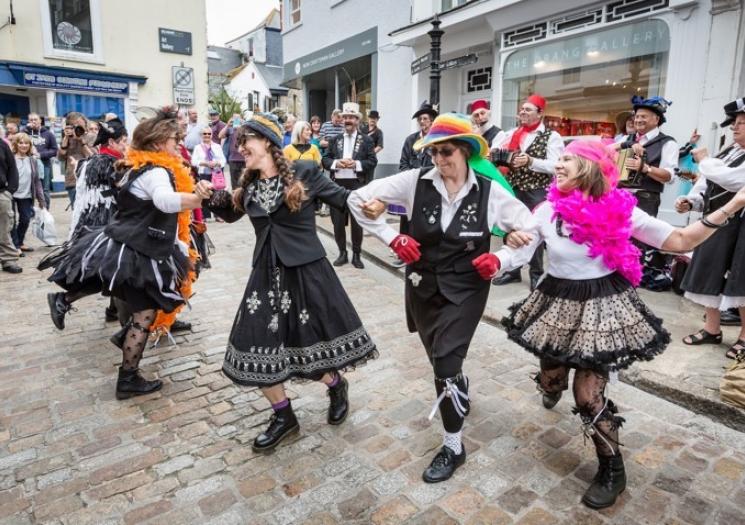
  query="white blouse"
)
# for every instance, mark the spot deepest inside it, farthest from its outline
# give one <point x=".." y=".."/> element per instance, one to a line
<point x="155" y="185"/>
<point x="569" y="260"/>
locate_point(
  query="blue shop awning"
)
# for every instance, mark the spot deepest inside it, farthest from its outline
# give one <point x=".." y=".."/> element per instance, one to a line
<point x="6" y="77"/>
<point x="62" y="78"/>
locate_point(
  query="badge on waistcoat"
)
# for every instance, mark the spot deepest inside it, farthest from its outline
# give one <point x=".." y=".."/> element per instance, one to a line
<point x="468" y="215"/>
<point x="431" y="213"/>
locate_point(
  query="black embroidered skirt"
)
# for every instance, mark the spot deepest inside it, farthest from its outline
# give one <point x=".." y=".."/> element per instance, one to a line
<point x="600" y="324"/>
<point x="94" y="263"/>
<point x="294" y="323"/>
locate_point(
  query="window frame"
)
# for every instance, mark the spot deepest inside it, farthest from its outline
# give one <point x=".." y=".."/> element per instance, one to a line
<point x="290" y="11"/>
<point x="48" y="39"/>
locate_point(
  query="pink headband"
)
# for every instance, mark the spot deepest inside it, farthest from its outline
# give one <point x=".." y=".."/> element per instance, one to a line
<point x="596" y="152"/>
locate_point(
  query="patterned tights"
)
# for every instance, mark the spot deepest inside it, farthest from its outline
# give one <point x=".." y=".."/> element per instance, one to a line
<point x="598" y="414"/>
<point x="136" y="338"/>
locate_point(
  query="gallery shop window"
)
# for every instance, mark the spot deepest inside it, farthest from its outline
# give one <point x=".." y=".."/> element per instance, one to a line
<point x="588" y="80"/>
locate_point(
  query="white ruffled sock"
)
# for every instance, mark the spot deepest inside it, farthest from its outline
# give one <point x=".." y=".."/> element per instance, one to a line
<point x="453" y="442"/>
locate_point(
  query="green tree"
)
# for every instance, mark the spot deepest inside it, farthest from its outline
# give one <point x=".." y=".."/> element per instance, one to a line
<point x="226" y="105"/>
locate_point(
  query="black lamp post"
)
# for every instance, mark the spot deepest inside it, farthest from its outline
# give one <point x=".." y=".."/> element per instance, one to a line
<point x="435" y="34"/>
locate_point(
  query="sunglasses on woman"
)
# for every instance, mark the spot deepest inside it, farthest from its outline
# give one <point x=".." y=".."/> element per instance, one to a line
<point x="444" y="151"/>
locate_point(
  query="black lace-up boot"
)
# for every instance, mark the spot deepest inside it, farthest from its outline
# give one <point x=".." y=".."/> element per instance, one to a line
<point x="443" y="465"/>
<point x="58" y="307"/>
<point x="338" y="402"/>
<point x="281" y="424"/>
<point x="609" y="482"/>
<point x="130" y="384"/>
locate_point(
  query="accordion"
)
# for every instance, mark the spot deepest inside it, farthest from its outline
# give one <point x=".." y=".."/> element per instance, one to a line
<point x="628" y="178"/>
<point x="501" y="157"/>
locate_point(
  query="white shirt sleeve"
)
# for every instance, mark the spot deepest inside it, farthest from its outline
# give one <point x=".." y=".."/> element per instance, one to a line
<point x="397" y="189"/>
<point x="731" y="179"/>
<point x="696" y="195"/>
<point x="554" y="148"/>
<point x="648" y="229"/>
<point x="509" y="214"/>
<point x="155" y="185"/>
<point x="669" y="160"/>
<point x="197" y="156"/>
<point x="498" y="140"/>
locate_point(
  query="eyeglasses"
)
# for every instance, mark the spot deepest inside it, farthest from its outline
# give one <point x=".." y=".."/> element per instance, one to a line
<point x="206" y="134"/>
<point x="444" y="151"/>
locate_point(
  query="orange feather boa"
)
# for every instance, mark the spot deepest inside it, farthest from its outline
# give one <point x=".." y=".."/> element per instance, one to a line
<point x="184" y="184"/>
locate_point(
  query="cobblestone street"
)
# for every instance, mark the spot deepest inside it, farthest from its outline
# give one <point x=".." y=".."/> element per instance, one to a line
<point x="71" y="454"/>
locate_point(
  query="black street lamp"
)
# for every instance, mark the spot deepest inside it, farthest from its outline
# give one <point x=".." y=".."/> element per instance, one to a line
<point x="435" y="34"/>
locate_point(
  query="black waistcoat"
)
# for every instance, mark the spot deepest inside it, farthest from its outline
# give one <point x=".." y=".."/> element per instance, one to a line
<point x="653" y="153"/>
<point x="139" y="224"/>
<point x="490" y="133"/>
<point x="445" y="265"/>
<point x="715" y="196"/>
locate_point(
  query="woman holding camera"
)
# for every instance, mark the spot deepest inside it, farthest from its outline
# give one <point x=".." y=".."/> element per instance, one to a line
<point x="76" y="144"/>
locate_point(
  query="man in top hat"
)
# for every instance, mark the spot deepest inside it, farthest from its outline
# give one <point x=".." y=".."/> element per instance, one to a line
<point x="481" y="117"/>
<point x="536" y="150"/>
<point x="351" y="159"/>
<point x="655" y="154"/>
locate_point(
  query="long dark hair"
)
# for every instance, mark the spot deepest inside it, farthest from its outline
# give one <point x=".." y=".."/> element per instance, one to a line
<point x="294" y="189"/>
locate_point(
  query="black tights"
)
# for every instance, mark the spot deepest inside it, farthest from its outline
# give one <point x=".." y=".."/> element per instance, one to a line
<point x="138" y="330"/>
<point x="598" y="414"/>
<point x="450" y="369"/>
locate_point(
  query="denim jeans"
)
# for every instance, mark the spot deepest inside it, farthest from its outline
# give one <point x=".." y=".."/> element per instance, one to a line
<point x="24" y="214"/>
<point x="46" y="183"/>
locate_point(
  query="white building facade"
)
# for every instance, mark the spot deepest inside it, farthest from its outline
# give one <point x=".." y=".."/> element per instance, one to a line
<point x="588" y="60"/>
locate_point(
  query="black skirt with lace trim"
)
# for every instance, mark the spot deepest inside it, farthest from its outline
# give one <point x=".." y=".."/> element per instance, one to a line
<point x="600" y="324"/>
<point x="294" y="323"/>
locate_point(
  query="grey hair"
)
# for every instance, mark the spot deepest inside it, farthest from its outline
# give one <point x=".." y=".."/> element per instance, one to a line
<point x="297" y="129"/>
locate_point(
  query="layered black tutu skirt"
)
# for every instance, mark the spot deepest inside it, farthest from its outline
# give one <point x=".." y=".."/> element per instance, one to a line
<point x="294" y="323"/>
<point x="599" y="324"/>
<point x="95" y="263"/>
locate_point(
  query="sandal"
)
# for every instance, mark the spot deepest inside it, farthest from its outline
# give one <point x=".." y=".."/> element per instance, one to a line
<point x="702" y="337"/>
<point x="735" y="349"/>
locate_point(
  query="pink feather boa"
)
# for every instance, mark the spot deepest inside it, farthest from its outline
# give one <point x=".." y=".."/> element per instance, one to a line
<point x="604" y="225"/>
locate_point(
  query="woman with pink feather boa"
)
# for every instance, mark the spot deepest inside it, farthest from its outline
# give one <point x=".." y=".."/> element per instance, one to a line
<point x="585" y="313"/>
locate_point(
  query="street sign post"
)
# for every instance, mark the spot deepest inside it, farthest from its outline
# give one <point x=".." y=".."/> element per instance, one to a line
<point x="421" y="63"/>
<point x="458" y="62"/>
<point x="183" y="85"/>
<point x="172" y="41"/>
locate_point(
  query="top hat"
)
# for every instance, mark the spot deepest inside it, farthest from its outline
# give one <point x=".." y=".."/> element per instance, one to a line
<point x="373" y="114"/>
<point x="351" y="109"/>
<point x="731" y="109"/>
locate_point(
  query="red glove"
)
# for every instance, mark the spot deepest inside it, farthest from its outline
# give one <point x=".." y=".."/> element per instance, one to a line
<point x="407" y="248"/>
<point x="487" y="265"/>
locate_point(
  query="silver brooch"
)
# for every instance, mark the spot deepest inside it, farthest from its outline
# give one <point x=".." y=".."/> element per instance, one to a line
<point x="468" y="215"/>
<point x="415" y="279"/>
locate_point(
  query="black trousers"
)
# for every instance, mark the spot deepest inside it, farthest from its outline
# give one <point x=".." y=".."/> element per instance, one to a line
<point x="648" y="201"/>
<point x="340" y="219"/>
<point x="532" y="198"/>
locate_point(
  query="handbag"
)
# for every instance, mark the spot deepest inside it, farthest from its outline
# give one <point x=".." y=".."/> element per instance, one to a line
<point x="43" y="226"/>
<point x="218" y="177"/>
<point x="732" y="384"/>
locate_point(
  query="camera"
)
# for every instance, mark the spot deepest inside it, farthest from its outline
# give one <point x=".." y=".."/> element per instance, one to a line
<point x="79" y="131"/>
<point x="501" y="157"/>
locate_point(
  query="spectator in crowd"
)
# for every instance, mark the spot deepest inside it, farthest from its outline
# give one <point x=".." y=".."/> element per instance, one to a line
<point x="230" y="134"/>
<point x="315" y="130"/>
<point x="331" y="129"/>
<point x="351" y="160"/>
<point x="207" y="158"/>
<point x="76" y="144"/>
<point x="216" y="125"/>
<point x="300" y="147"/>
<point x="536" y="150"/>
<point x="481" y="118"/>
<point x="624" y="125"/>
<point x="715" y="278"/>
<point x="30" y="172"/>
<point x="374" y="132"/>
<point x="8" y="186"/>
<point x="193" y="130"/>
<point x="289" y="125"/>
<point x="46" y="146"/>
<point x="11" y="128"/>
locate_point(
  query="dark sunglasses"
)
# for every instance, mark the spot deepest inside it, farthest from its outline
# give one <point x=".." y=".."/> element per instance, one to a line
<point x="206" y="134"/>
<point x="443" y="152"/>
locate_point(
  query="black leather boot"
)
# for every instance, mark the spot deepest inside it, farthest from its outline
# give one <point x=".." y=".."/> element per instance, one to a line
<point x="58" y="307"/>
<point x="130" y="384"/>
<point x="443" y="465"/>
<point x="118" y="337"/>
<point x="180" y="326"/>
<point x="342" y="259"/>
<point x="111" y="314"/>
<point x="357" y="261"/>
<point x="550" y="399"/>
<point x="338" y="403"/>
<point x="608" y="483"/>
<point x="282" y="423"/>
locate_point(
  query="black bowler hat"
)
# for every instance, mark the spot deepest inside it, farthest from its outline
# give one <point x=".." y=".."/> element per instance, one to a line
<point x="373" y="114"/>
<point x="656" y="105"/>
<point x="426" y="109"/>
<point x="112" y="129"/>
<point x="266" y="125"/>
<point x="732" y="109"/>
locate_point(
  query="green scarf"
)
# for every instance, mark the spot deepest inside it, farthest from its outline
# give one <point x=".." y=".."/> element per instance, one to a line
<point x="486" y="168"/>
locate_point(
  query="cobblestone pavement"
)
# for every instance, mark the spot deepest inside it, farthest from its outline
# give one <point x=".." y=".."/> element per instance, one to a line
<point x="70" y="453"/>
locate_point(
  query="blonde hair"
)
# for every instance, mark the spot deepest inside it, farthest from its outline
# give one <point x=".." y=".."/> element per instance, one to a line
<point x="589" y="178"/>
<point x="297" y="130"/>
<point x="22" y="137"/>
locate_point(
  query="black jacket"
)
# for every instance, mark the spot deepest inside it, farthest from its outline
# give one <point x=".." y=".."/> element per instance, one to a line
<point x="364" y="151"/>
<point x="411" y="159"/>
<point x="8" y="169"/>
<point x="292" y="235"/>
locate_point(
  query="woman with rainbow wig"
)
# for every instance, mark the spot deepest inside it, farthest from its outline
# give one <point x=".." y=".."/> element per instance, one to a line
<point x="585" y="313"/>
<point x="452" y="208"/>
